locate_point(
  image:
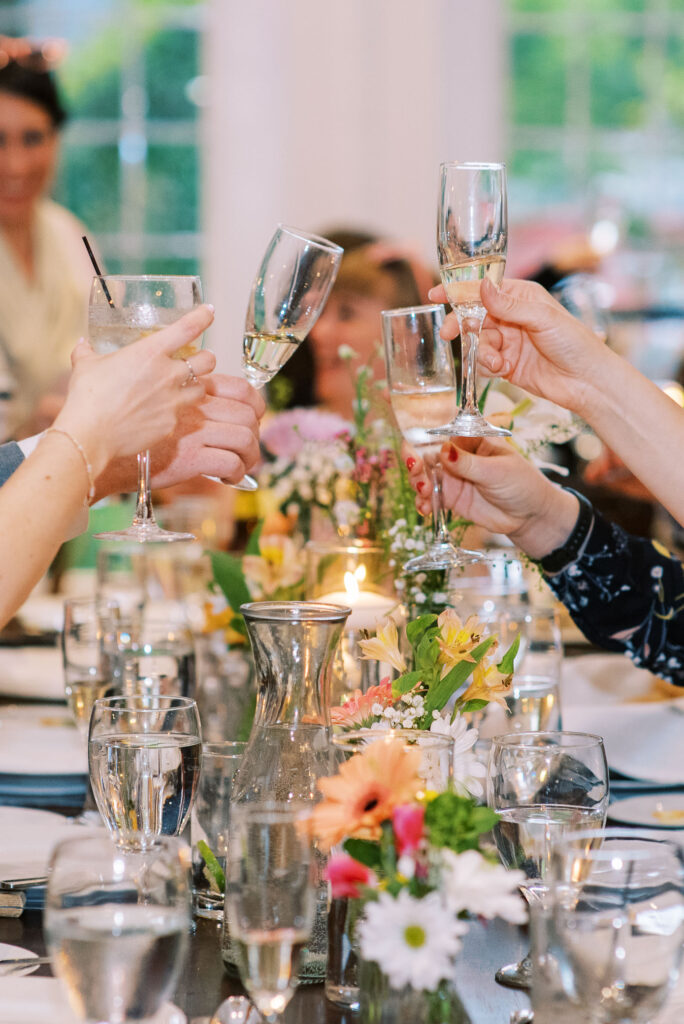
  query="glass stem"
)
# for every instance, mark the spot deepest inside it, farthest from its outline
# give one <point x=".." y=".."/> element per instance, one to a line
<point x="143" y="509"/>
<point x="469" y="322"/>
<point x="440" y="534"/>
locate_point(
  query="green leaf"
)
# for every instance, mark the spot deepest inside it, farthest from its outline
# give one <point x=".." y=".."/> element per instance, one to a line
<point x="254" y="538"/>
<point x="473" y="705"/>
<point x="364" y="851"/>
<point x="227" y="570"/>
<point x="212" y="870"/>
<point x="439" y="694"/>
<point x="483" y="396"/>
<point x="416" y="629"/>
<point x="506" y="664"/>
<point x="402" y="684"/>
<point x="484" y="818"/>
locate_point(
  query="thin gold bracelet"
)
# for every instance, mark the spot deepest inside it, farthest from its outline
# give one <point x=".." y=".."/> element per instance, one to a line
<point x="81" y="450"/>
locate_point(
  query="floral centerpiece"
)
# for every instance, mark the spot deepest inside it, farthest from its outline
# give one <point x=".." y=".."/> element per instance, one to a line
<point x="452" y="670"/>
<point x="412" y="860"/>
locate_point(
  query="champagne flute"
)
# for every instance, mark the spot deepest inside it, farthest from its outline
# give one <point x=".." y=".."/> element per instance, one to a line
<point x="542" y="785"/>
<point x="270" y="901"/>
<point x="472" y="234"/>
<point x="123" y="310"/>
<point x="116" y="925"/>
<point x="422" y="381"/>
<point x="144" y="755"/>
<point x="289" y="292"/>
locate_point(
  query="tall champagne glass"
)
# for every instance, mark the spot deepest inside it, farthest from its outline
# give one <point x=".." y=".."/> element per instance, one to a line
<point x="472" y="236"/>
<point x="116" y="925"/>
<point x="269" y="899"/>
<point x="123" y="310"/>
<point x="542" y="785"/>
<point x="289" y="292"/>
<point x="144" y="755"/>
<point x="422" y="381"/>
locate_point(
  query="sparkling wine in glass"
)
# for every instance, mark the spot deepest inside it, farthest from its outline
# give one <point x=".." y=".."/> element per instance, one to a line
<point x="144" y="756"/>
<point x="116" y="925"/>
<point x="422" y="381"/>
<point x="542" y="785"/>
<point x="472" y="237"/>
<point x="289" y="292"/>
<point x="270" y="899"/>
<point x="121" y="311"/>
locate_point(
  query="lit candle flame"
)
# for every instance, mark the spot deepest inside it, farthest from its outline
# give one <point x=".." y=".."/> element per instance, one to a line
<point x="352" y="580"/>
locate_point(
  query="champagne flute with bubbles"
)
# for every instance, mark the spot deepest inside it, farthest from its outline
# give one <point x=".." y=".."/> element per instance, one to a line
<point x="122" y="310"/>
<point x="289" y="292"/>
<point x="422" y="382"/>
<point x="472" y="238"/>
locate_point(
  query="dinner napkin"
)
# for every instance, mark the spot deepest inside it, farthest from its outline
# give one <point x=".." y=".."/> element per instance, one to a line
<point x="40" y="740"/>
<point x="34" y="673"/>
<point x="604" y="679"/>
<point x="39" y="1000"/>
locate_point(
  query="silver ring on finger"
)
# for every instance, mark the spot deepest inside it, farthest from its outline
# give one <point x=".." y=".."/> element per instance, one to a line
<point x="192" y="377"/>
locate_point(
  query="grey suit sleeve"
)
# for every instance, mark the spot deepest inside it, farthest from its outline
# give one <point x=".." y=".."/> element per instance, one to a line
<point x="11" y="456"/>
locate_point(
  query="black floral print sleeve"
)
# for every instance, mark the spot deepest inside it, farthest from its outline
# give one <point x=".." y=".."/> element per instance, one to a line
<point x="626" y="594"/>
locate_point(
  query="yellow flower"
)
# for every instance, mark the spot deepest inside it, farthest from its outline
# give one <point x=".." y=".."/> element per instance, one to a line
<point x="457" y="639"/>
<point x="384" y="646"/>
<point x="488" y="684"/>
<point x="277" y="566"/>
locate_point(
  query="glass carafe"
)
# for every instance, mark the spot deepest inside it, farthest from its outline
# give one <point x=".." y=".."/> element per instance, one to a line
<point x="290" y="747"/>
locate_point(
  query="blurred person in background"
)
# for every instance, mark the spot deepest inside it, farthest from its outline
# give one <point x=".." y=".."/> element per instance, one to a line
<point x="45" y="273"/>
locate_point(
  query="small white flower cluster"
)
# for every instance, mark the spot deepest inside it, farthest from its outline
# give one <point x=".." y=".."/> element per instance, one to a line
<point x="404" y="714"/>
<point x="406" y="542"/>
<point x="318" y="475"/>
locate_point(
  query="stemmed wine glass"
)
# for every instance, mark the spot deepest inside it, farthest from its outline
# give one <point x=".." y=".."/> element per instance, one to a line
<point x="270" y="903"/>
<point x="289" y="292"/>
<point x="542" y="785"/>
<point x="472" y="235"/>
<point x="144" y="755"/>
<point x="422" y="382"/>
<point x="116" y="925"/>
<point x="123" y="310"/>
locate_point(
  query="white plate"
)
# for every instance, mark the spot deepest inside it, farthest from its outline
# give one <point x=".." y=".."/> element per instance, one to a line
<point x="661" y="810"/>
<point x="33" y="673"/>
<point x="28" y="836"/>
<point x="14" y="952"/>
<point x="38" y="739"/>
<point x="43" y="1000"/>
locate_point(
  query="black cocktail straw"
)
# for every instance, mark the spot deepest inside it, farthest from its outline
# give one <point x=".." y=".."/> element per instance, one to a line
<point x="98" y="272"/>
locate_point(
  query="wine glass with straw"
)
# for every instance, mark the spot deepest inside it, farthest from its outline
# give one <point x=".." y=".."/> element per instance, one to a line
<point x="289" y="292"/>
<point x="422" y="382"/>
<point x="472" y="233"/>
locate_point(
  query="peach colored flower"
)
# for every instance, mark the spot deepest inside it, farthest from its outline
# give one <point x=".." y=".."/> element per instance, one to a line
<point x="384" y="646"/>
<point x="366" y="790"/>
<point x="357" y="710"/>
<point x="277" y="565"/>
<point x="488" y="684"/>
<point x="457" y="639"/>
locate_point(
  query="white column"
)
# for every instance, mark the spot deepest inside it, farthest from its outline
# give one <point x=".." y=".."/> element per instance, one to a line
<point x="337" y="113"/>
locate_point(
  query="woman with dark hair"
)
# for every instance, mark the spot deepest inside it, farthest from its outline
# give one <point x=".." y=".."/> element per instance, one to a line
<point x="44" y="271"/>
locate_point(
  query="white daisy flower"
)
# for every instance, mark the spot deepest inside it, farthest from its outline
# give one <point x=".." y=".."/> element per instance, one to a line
<point x="468" y="769"/>
<point x="472" y="883"/>
<point x="412" y="941"/>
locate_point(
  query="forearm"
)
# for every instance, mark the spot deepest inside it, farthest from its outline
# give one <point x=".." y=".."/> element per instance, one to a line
<point x="38" y="505"/>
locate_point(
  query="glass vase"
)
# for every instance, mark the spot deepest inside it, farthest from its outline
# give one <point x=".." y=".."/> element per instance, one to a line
<point x="381" y="1003"/>
<point x="289" y="747"/>
<point x="342" y="976"/>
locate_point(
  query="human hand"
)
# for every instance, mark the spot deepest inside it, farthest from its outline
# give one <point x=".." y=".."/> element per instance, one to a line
<point x="489" y="482"/>
<point x="126" y="401"/>
<point x="529" y="339"/>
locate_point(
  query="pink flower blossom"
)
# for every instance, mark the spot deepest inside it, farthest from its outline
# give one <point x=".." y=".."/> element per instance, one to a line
<point x="287" y="432"/>
<point x="346" y="875"/>
<point x="407" y="822"/>
<point x="357" y="710"/>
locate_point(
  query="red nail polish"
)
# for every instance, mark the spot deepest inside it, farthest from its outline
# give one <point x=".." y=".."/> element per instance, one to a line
<point x="420" y="485"/>
<point x="410" y="463"/>
<point x="453" y="454"/>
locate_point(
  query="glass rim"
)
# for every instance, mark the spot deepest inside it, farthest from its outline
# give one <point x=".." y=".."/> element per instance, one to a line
<point x="164" y="701"/>
<point x="271" y="811"/>
<point x="296" y="611"/>
<point x="437" y="739"/>
<point x="512" y="739"/>
<point x="413" y="310"/>
<point x="216" y="748"/>
<point x="104" y="838"/>
<point x="620" y="834"/>
<point x="309" y="236"/>
<point x="357" y="547"/>
<point x="473" y="165"/>
<point x="147" y="277"/>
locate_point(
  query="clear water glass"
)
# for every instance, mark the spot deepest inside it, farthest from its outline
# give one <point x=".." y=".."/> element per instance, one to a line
<point x="542" y="785"/>
<point x="87" y="670"/>
<point x="116" y="925"/>
<point x="533" y="704"/>
<point x="210" y="825"/>
<point x="270" y="899"/>
<point x="437" y="750"/>
<point x="609" y="946"/>
<point x="155" y="657"/>
<point x="122" y="310"/>
<point x="144" y="755"/>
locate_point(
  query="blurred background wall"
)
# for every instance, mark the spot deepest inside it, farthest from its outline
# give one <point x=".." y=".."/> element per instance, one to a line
<point x="196" y="127"/>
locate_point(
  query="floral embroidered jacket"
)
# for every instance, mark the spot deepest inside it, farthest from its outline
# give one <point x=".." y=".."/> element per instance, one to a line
<point x="626" y="594"/>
